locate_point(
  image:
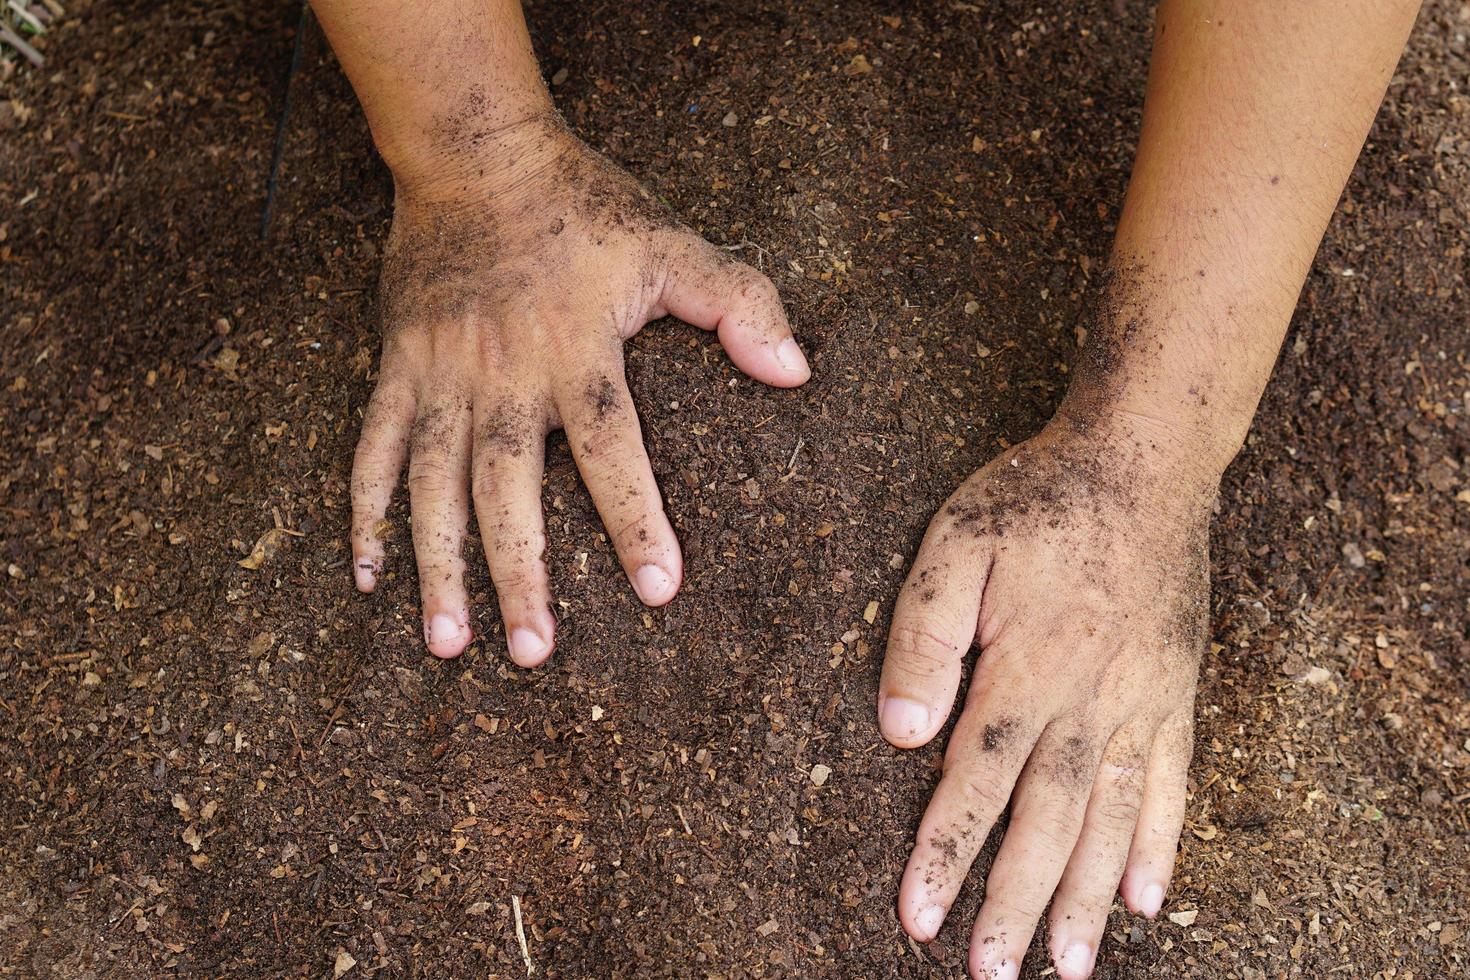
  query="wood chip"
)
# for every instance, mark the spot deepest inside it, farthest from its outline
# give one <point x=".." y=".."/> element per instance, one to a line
<point x="515" y="905"/>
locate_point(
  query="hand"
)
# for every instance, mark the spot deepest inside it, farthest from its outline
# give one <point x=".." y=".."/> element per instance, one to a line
<point x="1079" y="561"/>
<point x="510" y="281"/>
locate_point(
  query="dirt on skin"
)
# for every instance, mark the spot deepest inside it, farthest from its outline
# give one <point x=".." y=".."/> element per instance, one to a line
<point x="217" y="769"/>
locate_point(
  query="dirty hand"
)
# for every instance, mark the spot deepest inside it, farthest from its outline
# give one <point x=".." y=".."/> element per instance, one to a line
<point x="509" y="285"/>
<point x="1078" y="560"/>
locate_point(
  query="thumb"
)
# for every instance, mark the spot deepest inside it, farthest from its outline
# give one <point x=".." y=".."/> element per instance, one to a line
<point x="934" y="626"/>
<point x="706" y="287"/>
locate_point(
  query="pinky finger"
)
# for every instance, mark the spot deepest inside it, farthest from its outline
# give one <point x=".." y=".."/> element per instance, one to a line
<point x="1161" y="815"/>
<point x="381" y="450"/>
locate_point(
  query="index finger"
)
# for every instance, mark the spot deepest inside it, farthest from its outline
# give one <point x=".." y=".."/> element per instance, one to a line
<point x="607" y="443"/>
<point x="985" y="757"/>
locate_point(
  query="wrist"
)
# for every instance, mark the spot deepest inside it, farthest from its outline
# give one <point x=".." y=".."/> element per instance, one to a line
<point x="1172" y="457"/>
<point x="477" y="157"/>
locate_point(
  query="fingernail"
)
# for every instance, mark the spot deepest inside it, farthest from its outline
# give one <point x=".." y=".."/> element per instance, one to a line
<point x="902" y="718"/>
<point x="443" y="629"/>
<point x="365" y="575"/>
<point x="1075" y="961"/>
<point x="993" y="962"/>
<point x="526" y="647"/>
<point x="928" y="921"/>
<point x="1151" y="900"/>
<point x="653" y="585"/>
<point x="790" y="357"/>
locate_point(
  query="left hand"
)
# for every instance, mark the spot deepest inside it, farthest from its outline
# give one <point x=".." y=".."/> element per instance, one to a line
<point x="1078" y="559"/>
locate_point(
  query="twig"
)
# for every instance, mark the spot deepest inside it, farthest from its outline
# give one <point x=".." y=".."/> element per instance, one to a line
<point x="515" y="905"/>
<point x="30" y="19"/>
<point x="791" y="463"/>
<point x="271" y="182"/>
<point x="18" y="43"/>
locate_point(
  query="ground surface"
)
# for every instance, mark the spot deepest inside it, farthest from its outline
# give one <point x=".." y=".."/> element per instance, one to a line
<point x="214" y="769"/>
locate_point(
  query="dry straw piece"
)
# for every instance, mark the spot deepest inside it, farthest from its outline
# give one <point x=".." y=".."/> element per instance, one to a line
<point x="22" y="19"/>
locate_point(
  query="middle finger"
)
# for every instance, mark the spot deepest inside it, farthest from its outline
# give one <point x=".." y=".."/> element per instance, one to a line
<point x="1046" y="819"/>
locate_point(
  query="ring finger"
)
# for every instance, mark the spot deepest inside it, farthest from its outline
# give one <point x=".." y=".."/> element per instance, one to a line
<point x="1046" y="818"/>
<point x="438" y="489"/>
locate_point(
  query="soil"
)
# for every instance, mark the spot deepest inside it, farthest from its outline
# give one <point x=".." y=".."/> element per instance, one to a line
<point x="219" y="759"/>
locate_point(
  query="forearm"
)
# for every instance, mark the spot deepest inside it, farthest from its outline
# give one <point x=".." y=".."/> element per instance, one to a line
<point x="1254" y="115"/>
<point x="436" y="81"/>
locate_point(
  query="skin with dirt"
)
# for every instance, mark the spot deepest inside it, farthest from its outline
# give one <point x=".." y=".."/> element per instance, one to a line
<point x="1092" y="678"/>
<point x="509" y="284"/>
<point x="213" y="769"/>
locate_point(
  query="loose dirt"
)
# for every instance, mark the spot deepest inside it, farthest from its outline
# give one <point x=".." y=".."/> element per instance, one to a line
<point x="210" y="769"/>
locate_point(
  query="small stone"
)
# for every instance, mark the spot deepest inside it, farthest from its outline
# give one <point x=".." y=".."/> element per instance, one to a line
<point x="1442" y="476"/>
<point x="1353" y="555"/>
<point x="820" y="774"/>
<point x="1184" y="918"/>
<point x="731" y="119"/>
<point x="1317" y="676"/>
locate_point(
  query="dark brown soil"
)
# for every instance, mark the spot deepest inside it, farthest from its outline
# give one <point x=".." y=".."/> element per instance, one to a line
<point x="210" y="769"/>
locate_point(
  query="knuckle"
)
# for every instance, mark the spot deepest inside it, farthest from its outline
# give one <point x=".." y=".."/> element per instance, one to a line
<point x="754" y="286"/>
<point x="919" y="654"/>
<point x="489" y="344"/>
<point x="513" y="581"/>
<point x="604" y="446"/>
<point x="366" y="483"/>
<point x="429" y="474"/>
<point x="376" y="447"/>
<point x="486" y="485"/>
<point x="1056" y="832"/>
<point x="1120" y="811"/>
<point x="1002" y="908"/>
<point x="636" y="531"/>
<point x="983" y="797"/>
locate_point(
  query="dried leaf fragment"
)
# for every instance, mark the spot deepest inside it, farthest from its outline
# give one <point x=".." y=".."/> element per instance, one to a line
<point x="265" y="548"/>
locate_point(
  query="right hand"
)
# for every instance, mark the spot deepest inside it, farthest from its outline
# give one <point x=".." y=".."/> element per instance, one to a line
<point x="508" y="288"/>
